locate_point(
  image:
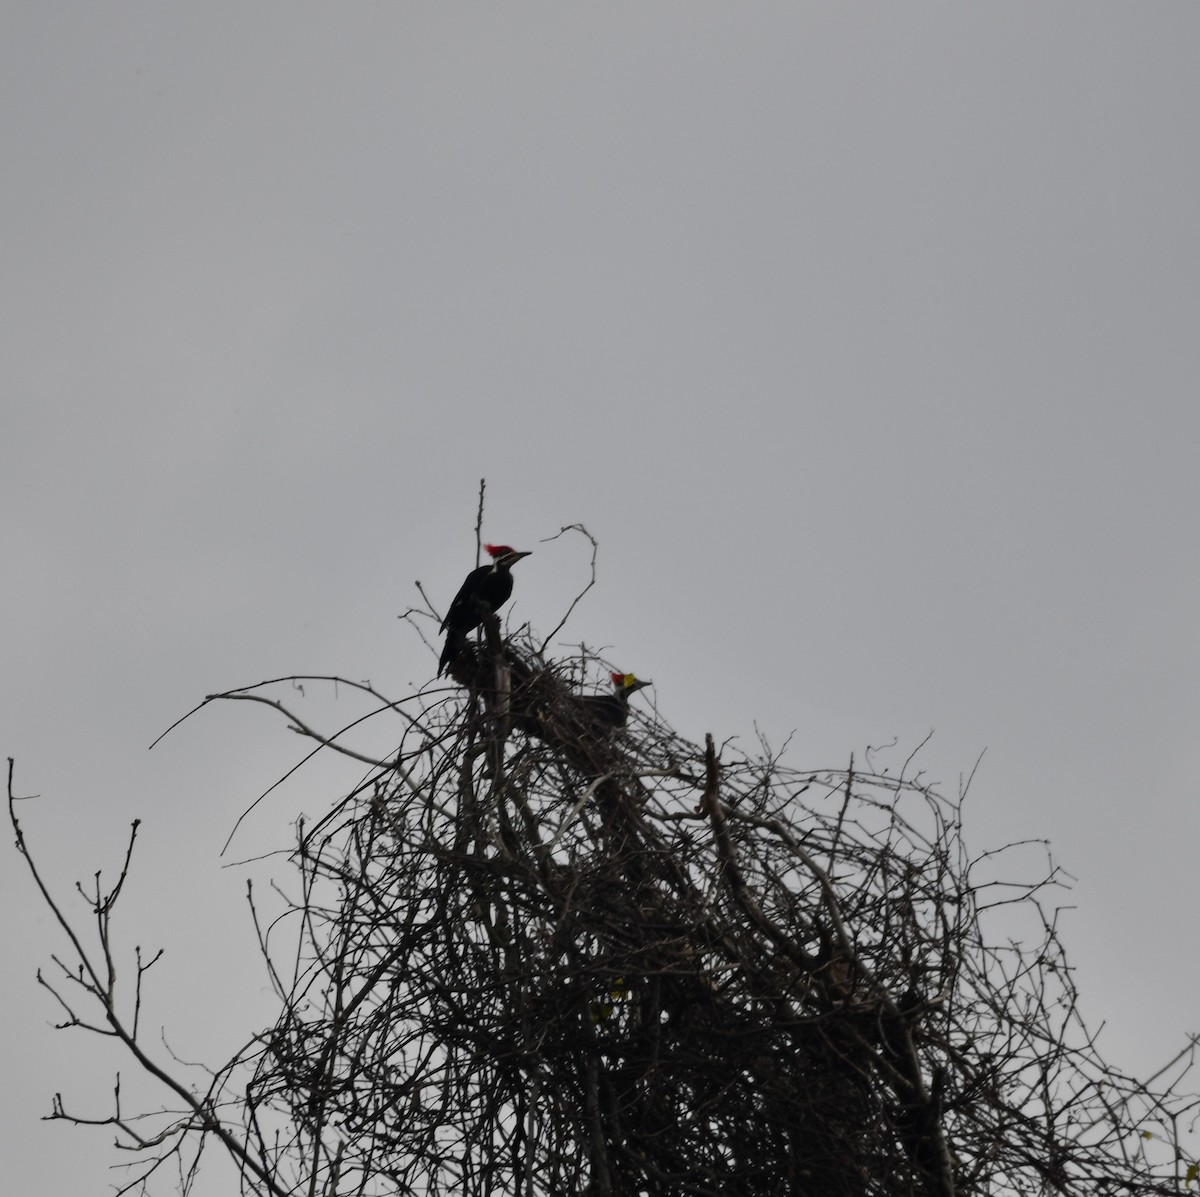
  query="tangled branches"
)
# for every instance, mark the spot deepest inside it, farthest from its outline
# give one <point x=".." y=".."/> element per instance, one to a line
<point x="536" y="956"/>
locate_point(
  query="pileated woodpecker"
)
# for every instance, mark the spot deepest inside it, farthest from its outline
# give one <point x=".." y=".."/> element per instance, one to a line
<point x="484" y="592"/>
<point x="611" y="711"/>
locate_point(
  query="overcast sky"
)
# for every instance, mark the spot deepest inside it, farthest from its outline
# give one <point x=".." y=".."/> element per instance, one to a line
<point x="862" y="337"/>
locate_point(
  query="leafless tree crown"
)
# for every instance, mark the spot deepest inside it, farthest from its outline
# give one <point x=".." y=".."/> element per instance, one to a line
<point x="537" y="956"/>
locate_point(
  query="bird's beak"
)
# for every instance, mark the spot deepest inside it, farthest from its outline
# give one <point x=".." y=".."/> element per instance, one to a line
<point x="517" y="556"/>
<point x="637" y="685"/>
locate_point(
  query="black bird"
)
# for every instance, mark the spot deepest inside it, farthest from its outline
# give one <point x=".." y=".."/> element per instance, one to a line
<point x="610" y="711"/>
<point x="484" y="592"/>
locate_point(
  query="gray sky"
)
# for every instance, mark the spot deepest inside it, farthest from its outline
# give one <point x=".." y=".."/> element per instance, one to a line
<point x="863" y="338"/>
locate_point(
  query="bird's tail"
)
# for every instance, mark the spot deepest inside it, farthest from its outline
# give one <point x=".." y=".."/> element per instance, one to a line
<point x="451" y="650"/>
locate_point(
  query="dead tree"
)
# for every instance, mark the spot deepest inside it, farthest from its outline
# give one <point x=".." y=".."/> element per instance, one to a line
<point x="540" y="957"/>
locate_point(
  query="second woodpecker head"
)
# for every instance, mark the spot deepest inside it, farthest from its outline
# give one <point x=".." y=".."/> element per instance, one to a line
<point x="626" y="683"/>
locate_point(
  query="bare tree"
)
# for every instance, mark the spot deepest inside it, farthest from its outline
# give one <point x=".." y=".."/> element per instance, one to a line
<point x="530" y="955"/>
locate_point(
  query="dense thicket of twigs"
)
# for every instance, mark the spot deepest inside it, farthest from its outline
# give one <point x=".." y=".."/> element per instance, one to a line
<point x="541" y="958"/>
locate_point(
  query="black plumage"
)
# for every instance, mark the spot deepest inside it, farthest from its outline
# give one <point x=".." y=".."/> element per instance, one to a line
<point x="483" y="593"/>
<point x="611" y="711"/>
